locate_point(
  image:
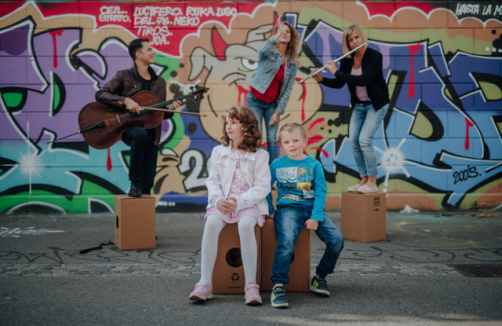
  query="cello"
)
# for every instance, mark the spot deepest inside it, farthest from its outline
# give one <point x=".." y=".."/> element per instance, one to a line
<point x="102" y="125"/>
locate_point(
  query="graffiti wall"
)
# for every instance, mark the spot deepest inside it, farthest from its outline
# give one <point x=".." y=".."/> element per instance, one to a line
<point x="439" y="146"/>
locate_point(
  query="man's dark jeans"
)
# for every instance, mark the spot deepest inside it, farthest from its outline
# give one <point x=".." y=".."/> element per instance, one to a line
<point x="143" y="160"/>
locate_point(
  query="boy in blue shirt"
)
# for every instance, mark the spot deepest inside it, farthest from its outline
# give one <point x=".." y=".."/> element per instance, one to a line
<point x="301" y="198"/>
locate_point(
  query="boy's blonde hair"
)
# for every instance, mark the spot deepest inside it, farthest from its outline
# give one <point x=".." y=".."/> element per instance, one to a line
<point x="290" y="128"/>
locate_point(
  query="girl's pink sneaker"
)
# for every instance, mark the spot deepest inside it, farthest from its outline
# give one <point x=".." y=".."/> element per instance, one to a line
<point x="252" y="294"/>
<point x="202" y="291"/>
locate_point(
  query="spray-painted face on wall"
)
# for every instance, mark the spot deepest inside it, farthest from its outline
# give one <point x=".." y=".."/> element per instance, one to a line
<point x="228" y="73"/>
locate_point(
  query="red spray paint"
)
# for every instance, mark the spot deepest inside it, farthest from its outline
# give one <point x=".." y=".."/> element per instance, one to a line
<point x="109" y="161"/>
<point x="468" y="124"/>
<point x="54" y="43"/>
<point x="413" y="49"/>
<point x="242" y="93"/>
<point x="304" y="95"/>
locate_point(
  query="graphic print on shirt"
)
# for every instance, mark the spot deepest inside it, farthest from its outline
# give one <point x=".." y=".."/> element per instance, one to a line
<point x="296" y="183"/>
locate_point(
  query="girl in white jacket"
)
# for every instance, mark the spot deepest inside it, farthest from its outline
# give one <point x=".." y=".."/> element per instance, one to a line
<point x="238" y="184"/>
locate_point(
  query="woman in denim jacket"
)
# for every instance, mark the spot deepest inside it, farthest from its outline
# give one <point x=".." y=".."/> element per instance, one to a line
<point x="270" y="88"/>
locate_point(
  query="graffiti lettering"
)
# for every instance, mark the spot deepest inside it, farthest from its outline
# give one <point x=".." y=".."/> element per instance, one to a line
<point x="163" y="21"/>
<point x="187" y="21"/>
<point x="138" y="20"/>
<point x="208" y="11"/>
<point x="158" y="35"/>
<point x="198" y="11"/>
<point x="159" y="40"/>
<point x="157" y="11"/>
<point x="480" y="10"/>
<point x="112" y="10"/>
<point x="498" y="10"/>
<point x="113" y="14"/>
<point x="154" y="31"/>
<point x="463" y="9"/>
<point x="192" y="164"/>
<point x="487" y="10"/>
<point x="470" y="172"/>
<point x="114" y="19"/>
<point x="226" y="12"/>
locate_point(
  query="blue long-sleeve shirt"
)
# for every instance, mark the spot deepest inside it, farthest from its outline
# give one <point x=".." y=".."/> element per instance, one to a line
<point x="299" y="183"/>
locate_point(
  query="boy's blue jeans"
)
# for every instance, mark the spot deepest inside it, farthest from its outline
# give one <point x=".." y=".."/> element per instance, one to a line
<point x="288" y="222"/>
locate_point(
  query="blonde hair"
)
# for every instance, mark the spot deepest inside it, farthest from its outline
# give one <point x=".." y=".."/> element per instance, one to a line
<point x="346" y="34"/>
<point x="294" y="42"/>
<point x="290" y="128"/>
<point x="252" y="135"/>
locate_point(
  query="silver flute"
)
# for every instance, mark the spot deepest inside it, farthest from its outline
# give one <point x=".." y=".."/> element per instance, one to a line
<point x="336" y="60"/>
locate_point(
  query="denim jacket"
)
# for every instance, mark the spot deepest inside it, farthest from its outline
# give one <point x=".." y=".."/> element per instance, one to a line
<point x="269" y="62"/>
<point x="255" y="170"/>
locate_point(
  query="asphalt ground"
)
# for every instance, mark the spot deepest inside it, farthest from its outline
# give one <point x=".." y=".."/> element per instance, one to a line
<point x="408" y="279"/>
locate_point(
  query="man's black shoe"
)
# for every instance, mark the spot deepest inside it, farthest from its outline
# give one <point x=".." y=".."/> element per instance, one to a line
<point x="135" y="190"/>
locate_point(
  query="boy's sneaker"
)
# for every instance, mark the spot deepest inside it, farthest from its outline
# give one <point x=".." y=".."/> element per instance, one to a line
<point x="202" y="292"/>
<point x="278" y="298"/>
<point x="319" y="286"/>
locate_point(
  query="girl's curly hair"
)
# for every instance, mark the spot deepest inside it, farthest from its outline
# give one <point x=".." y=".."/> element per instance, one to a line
<point x="252" y="135"/>
<point x="293" y="46"/>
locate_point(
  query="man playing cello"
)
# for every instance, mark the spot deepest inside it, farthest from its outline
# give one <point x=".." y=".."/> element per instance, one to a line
<point x="144" y="142"/>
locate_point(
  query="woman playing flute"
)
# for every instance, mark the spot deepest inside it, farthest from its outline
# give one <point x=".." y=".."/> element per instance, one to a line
<point x="369" y="97"/>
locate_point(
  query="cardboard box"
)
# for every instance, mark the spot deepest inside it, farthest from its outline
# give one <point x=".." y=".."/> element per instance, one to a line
<point x="228" y="273"/>
<point x="134" y="222"/>
<point x="363" y="216"/>
<point x="299" y="273"/>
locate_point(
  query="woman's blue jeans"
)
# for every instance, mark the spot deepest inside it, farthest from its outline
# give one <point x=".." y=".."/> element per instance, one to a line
<point x="265" y="110"/>
<point x="364" y="123"/>
<point x="288" y="222"/>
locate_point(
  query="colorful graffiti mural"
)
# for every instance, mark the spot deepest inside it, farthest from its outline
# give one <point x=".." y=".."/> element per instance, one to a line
<point x="439" y="147"/>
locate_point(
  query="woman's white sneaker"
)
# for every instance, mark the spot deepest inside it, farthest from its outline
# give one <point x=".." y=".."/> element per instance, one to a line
<point x="354" y="188"/>
<point x="367" y="190"/>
